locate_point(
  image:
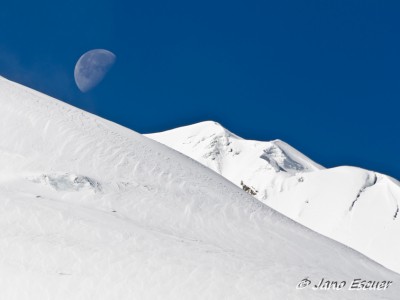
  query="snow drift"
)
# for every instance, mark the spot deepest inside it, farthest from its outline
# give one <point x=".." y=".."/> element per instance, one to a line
<point x="92" y="210"/>
<point x="356" y="207"/>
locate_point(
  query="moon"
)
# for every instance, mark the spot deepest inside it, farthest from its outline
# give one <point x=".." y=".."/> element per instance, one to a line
<point x="92" y="67"/>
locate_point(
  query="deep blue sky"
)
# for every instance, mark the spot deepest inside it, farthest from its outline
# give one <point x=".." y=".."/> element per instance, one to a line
<point x="323" y="76"/>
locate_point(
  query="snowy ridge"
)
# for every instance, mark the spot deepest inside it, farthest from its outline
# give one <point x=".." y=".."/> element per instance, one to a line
<point x="92" y="210"/>
<point x="357" y="207"/>
<point x="251" y="162"/>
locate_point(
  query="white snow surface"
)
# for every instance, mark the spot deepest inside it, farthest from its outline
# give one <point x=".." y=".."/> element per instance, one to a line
<point x="92" y="210"/>
<point x="356" y="207"/>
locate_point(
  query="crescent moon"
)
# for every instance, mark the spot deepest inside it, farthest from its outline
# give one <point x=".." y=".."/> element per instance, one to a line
<point x="92" y="67"/>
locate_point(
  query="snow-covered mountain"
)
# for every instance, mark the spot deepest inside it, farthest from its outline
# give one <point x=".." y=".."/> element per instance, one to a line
<point x="357" y="207"/>
<point x="92" y="210"/>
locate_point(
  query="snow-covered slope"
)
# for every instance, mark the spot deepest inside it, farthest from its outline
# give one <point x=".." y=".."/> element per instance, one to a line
<point x="92" y="210"/>
<point x="251" y="163"/>
<point x="357" y="207"/>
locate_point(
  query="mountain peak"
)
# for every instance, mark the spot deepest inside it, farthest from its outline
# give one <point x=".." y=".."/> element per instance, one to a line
<point x="89" y="204"/>
<point x="202" y="129"/>
<point x="223" y="151"/>
<point x="338" y="202"/>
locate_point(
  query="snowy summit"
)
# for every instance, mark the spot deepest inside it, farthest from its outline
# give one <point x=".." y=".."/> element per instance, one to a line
<point x="357" y="207"/>
<point x="92" y="210"/>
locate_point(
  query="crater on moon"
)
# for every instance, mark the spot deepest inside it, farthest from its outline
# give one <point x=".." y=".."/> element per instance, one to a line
<point x="92" y="67"/>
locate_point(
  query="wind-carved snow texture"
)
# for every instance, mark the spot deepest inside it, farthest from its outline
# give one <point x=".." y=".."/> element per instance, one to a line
<point x="217" y="142"/>
<point x="354" y="206"/>
<point x="162" y="227"/>
<point x="368" y="184"/>
<point x="67" y="182"/>
<point x="280" y="161"/>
